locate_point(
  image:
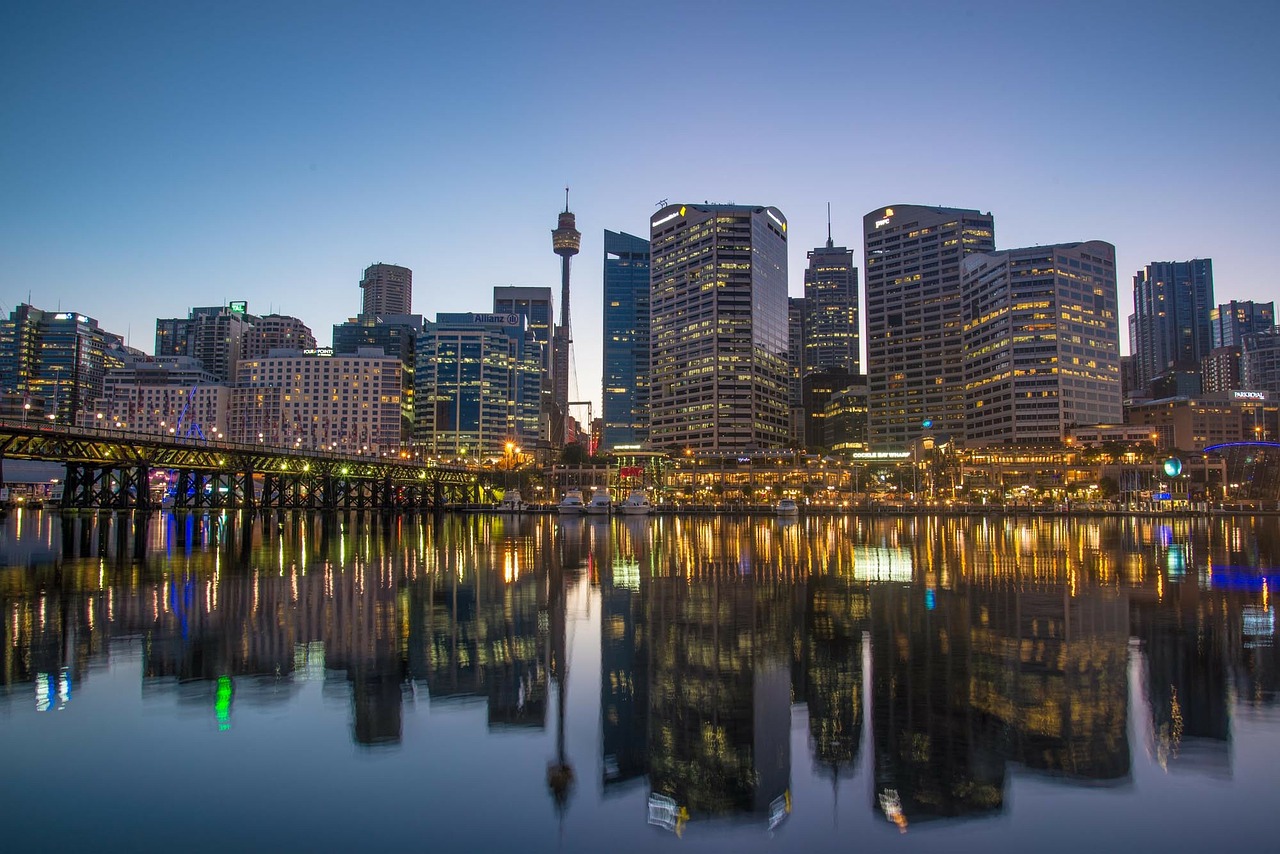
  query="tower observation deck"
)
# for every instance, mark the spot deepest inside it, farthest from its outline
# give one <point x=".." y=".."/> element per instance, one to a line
<point x="566" y="240"/>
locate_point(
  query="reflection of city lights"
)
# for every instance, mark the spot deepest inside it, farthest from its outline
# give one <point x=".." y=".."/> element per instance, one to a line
<point x="891" y="806"/>
<point x="222" y="703"/>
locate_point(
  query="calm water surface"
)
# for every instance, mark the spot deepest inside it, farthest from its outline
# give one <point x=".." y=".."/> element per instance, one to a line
<point x="311" y="683"/>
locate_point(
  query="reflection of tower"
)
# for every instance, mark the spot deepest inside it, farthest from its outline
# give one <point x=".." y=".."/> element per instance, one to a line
<point x="565" y="242"/>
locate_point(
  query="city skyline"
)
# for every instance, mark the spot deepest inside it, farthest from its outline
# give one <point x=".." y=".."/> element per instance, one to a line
<point x="260" y="150"/>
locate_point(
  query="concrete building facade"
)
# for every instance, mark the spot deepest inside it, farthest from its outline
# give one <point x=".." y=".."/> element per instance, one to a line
<point x="914" y="370"/>
<point x="718" y="303"/>
<point x="1041" y="342"/>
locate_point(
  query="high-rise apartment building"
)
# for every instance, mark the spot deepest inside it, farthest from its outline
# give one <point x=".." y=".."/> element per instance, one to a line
<point x="625" y="394"/>
<point x="718" y="328"/>
<point x="479" y="384"/>
<point x="1260" y="360"/>
<point x="276" y="332"/>
<point x="1041" y="342"/>
<point x="59" y="357"/>
<point x="388" y="289"/>
<point x="213" y="334"/>
<point x="914" y="371"/>
<point x="831" y="336"/>
<point x="1231" y="321"/>
<point x="1170" y="326"/>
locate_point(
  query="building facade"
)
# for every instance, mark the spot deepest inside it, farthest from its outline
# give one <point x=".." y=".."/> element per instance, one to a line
<point x="718" y="329"/>
<point x="276" y="332"/>
<point x="538" y="307"/>
<point x="625" y="395"/>
<point x="1260" y="360"/>
<point x="60" y="358"/>
<point x="348" y="403"/>
<point x="797" y="314"/>
<point x="480" y="385"/>
<point x="388" y="290"/>
<point x="164" y="396"/>
<point x="1171" y="305"/>
<point x="831" y="335"/>
<point x="1041" y="342"/>
<point x="1231" y="321"/>
<point x="914" y="370"/>
<point x="213" y="334"/>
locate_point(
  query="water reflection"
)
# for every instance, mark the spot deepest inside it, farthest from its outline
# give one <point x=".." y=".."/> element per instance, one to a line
<point x="936" y="656"/>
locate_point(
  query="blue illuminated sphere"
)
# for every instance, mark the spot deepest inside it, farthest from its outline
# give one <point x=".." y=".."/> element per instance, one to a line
<point x="1173" y="467"/>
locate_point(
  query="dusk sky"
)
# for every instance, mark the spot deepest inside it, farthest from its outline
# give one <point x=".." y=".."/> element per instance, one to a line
<point x="159" y="156"/>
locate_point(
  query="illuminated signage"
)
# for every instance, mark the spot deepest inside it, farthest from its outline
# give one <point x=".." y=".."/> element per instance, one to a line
<point x="667" y="218"/>
<point x="503" y="319"/>
<point x="240" y="307"/>
<point x="888" y="215"/>
<point x="1248" y="395"/>
<point x="882" y="455"/>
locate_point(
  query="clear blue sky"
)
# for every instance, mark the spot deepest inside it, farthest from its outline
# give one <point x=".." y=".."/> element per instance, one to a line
<point x="158" y="156"/>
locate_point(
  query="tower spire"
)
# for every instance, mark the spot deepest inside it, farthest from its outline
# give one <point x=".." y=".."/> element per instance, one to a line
<point x="566" y="200"/>
<point x="829" y="243"/>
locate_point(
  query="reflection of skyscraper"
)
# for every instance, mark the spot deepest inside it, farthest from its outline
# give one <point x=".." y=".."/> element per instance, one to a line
<point x="931" y="761"/>
<point x="1188" y="661"/>
<point x="1050" y="677"/>
<point x="720" y="695"/>
<point x="833" y="672"/>
<point x="624" y="671"/>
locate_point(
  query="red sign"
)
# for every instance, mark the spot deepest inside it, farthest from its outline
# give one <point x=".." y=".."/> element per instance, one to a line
<point x="631" y="471"/>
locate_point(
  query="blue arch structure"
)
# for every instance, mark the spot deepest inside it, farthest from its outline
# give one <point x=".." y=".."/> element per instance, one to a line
<point x="1254" y="466"/>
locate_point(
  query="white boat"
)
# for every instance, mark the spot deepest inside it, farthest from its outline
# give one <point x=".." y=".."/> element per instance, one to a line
<point x="511" y="502"/>
<point x="600" y="504"/>
<point x="787" y="507"/>
<point x="571" y="504"/>
<point x="637" y="503"/>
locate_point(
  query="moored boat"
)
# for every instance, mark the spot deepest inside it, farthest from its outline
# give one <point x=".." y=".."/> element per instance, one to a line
<point x="600" y="504"/>
<point x="637" y="503"/>
<point x="571" y="504"/>
<point x="787" y="507"/>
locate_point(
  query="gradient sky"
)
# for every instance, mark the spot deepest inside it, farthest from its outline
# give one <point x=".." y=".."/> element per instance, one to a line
<point x="159" y="156"/>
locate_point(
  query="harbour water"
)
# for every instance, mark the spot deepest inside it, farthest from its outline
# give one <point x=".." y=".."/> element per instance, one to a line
<point x="297" y="682"/>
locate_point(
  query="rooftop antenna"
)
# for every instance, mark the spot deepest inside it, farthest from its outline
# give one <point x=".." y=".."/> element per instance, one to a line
<point x="829" y="243"/>
<point x="566" y="199"/>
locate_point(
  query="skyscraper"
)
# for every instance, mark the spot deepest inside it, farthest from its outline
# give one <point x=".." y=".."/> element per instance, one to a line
<point x="59" y="357"/>
<point x="914" y="371"/>
<point x="1041" y="342"/>
<point x="565" y="242"/>
<point x="831" y="337"/>
<point x="538" y="307"/>
<point x="797" y="311"/>
<point x="388" y="289"/>
<point x="213" y="334"/>
<point x="1170" y="328"/>
<point x="276" y="332"/>
<point x="718" y="328"/>
<point x="626" y="339"/>
<point x="1231" y="321"/>
<point x="480" y="383"/>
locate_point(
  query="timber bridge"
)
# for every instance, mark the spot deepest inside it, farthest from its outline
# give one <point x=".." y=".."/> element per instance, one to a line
<point x="111" y="469"/>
